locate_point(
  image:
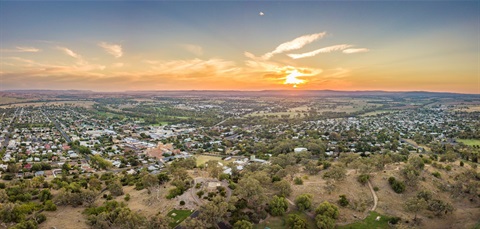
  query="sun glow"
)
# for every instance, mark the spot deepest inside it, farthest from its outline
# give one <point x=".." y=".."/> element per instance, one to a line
<point x="292" y="78"/>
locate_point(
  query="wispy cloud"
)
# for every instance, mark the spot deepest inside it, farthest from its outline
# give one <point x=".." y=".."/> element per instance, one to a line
<point x="81" y="64"/>
<point x="193" y="68"/>
<point x="195" y="49"/>
<point x="294" y="44"/>
<point x="69" y="52"/>
<point x="359" y="50"/>
<point x="22" y="49"/>
<point x="318" y="51"/>
<point x="113" y="49"/>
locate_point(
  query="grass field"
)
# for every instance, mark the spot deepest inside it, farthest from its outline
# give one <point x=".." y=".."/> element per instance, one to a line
<point x="469" y="142"/>
<point x="369" y="222"/>
<point x="178" y="216"/>
<point x="8" y="100"/>
<point x="203" y="158"/>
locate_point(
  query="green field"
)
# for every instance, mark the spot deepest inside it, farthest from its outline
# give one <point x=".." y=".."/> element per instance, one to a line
<point x="469" y="142"/>
<point x="369" y="222"/>
<point x="180" y="216"/>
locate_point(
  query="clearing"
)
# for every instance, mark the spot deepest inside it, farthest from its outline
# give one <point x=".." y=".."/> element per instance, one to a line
<point x="469" y="142"/>
<point x="178" y="216"/>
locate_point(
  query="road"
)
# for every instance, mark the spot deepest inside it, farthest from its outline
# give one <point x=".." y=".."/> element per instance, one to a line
<point x="59" y="128"/>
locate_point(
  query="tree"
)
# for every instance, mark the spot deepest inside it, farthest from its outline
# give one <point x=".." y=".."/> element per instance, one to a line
<point x="242" y="224"/>
<point x="304" y="202"/>
<point x="94" y="183"/>
<point x="89" y="196"/>
<point x="278" y="206"/>
<point x="312" y="168"/>
<point x="327" y="209"/>
<point x="415" y="204"/>
<point x="283" y="188"/>
<point x="439" y="207"/>
<point x="250" y="190"/>
<point x="215" y="211"/>
<point x="214" y="169"/>
<point x="158" y="222"/>
<point x="294" y="221"/>
<point x="115" y="188"/>
<point x="336" y="173"/>
<point x="324" y="222"/>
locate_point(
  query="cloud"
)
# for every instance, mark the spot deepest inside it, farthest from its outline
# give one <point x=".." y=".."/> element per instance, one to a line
<point x="318" y="51"/>
<point x="81" y="64"/>
<point x="294" y="44"/>
<point x="195" y="49"/>
<point x="70" y="52"/>
<point x="112" y="49"/>
<point x="194" y="68"/>
<point x="359" y="50"/>
<point x="21" y="49"/>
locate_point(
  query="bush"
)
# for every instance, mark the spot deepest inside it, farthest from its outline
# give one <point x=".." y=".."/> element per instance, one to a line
<point x="343" y="201"/>
<point x="396" y="185"/>
<point x="40" y="218"/>
<point x="127" y="197"/>
<point x="326" y="165"/>
<point x="375" y="189"/>
<point x="298" y="181"/>
<point x="363" y="178"/>
<point x="7" y="176"/>
<point x="394" y="220"/>
<point x="304" y="202"/>
<point x="461" y="163"/>
<point x="49" y="206"/>
<point x="2" y="185"/>
<point x="436" y="174"/>
<point x="448" y="167"/>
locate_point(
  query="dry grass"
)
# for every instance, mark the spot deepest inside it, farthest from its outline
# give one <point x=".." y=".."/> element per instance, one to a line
<point x="201" y="159"/>
<point x="466" y="213"/>
<point x="8" y="100"/>
<point x="146" y="204"/>
<point x="65" y="217"/>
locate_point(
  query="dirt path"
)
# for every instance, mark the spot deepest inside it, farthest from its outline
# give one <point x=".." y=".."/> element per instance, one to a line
<point x="375" y="198"/>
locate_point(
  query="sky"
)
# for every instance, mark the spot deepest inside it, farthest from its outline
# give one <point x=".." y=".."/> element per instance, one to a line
<point x="240" y="45"/>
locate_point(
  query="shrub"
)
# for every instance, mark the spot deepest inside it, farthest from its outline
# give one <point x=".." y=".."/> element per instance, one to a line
<point x="298" y="181"/>
<point x="127" y="197"/>
<point x="461" y="163"/>
<point x="448" y="167"/>
<point x="50" y="206"/>
<point x="40" y="218"/>
<point x="363" y="178"/>
<point x="343" y="201"/>
<point x="396" y="185"/>
<point x="394" y="220"/>
<point x="436" y="174"/>
<point x="375" y="189"/>
<point x="326" y="165"/>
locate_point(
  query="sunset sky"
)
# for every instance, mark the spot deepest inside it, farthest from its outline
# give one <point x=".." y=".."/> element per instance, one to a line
<point x="240" y="45"/>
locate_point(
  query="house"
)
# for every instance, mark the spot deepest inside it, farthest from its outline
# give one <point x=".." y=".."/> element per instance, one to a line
<point x="300" y="149"/>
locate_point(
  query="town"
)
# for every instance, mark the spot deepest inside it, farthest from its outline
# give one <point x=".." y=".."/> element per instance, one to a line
<point x="241" y="160"/>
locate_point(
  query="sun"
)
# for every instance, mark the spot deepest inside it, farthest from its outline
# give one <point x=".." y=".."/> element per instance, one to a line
<point x="292" y="78"/>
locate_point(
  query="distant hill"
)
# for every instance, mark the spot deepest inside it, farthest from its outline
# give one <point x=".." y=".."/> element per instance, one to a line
<point x="264" y="93"/>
